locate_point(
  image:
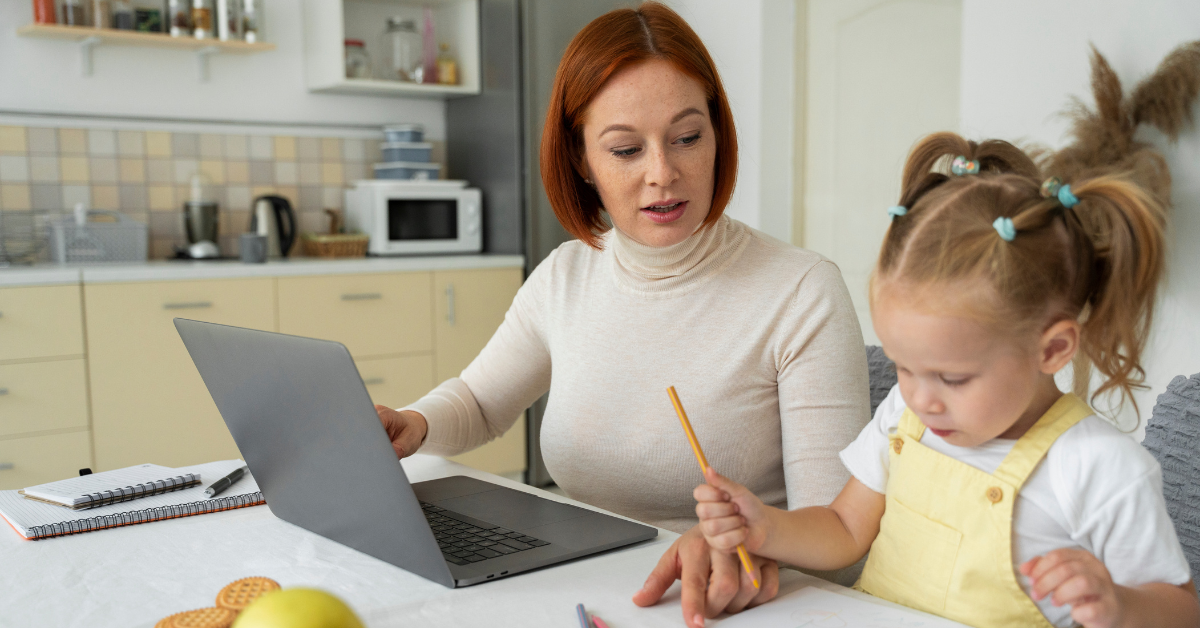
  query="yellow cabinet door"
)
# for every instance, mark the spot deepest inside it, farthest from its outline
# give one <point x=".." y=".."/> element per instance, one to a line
<point x="372" y="314"/>
<point x="40" y="322"/>
<point x="396" y="382"/>
<point x="148" y="402"/>
<point x="42" y="396"/>
<point x="40" y="459"/>
<point x="469" y="307"/>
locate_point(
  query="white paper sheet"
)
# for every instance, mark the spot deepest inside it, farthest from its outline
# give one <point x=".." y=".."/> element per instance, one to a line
<point x="811" y="607"/>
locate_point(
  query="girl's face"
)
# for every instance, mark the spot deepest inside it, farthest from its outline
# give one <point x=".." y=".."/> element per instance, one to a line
<point x="650" y="150"/>
<point x="965" y="382"/>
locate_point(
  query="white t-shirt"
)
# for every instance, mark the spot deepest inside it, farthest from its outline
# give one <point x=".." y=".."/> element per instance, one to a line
<point x="1097" y="490"/>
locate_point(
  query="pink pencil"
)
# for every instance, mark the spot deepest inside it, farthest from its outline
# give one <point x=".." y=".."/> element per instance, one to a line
<point x="599" y="622"/>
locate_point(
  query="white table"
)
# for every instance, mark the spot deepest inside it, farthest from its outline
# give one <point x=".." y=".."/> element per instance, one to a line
<point x="136" y="575"/>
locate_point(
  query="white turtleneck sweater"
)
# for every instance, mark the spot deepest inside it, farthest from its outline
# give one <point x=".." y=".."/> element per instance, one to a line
<point x="758" y="337"/>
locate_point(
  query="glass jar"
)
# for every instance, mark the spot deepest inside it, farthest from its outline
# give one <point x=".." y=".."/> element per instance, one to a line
<point x="401" y="44"/>
<point x="358" y="64"/>
<point x="202" y="26"/>
<point x="73" y="13"/>
<point x="122" y="15"/>
<point x="102" y="14"/>
<point x="179" y="17"/>
<point x="251" y="20"/>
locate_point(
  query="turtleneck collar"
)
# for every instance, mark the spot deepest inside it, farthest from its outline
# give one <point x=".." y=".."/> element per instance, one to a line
<point x="668" y="269"/>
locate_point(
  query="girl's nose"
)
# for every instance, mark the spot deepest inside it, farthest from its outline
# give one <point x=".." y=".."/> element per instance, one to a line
<point x="926" y="401"/>
<point x="660" y="171"/>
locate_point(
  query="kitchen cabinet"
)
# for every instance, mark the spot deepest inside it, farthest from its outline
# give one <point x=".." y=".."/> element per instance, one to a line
<point x="39" y="459"/>
<point x="470" y="307"/>
<point x="40" y="322"/>
<point x="148" y="402"/>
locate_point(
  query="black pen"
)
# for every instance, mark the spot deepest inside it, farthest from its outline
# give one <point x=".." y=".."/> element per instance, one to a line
<point x="225" y="482"/>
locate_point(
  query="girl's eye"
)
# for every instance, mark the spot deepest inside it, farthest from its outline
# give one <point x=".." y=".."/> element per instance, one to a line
<point x="625" y="152"/>
<point x="955" y="381"/>
<point x="689" y="140"/>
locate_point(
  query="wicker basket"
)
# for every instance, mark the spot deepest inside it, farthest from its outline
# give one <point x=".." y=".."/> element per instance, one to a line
<point x="336" y="244"/>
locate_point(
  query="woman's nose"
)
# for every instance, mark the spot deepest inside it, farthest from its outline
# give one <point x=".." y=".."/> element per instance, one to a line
<point x="660" y="171"/>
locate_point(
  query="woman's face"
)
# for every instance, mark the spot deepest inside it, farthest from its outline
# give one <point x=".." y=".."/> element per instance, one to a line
<point x="650" y="150"/>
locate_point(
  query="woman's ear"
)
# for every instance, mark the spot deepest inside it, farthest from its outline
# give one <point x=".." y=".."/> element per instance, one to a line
<point x="1058" y="346"/>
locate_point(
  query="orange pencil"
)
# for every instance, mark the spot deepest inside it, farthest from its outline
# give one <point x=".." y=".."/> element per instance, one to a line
<point x="687" y="428"/>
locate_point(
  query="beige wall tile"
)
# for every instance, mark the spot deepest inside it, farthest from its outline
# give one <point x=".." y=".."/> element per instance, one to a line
<point x="106" y="197"/>
<point x="262" y="147"/>
<point x="160" y="171"/>
<point x="308" y="149"/>
<point x="310" y="173"/>
<point x="331" y="174"/>
<point x="285" y="148"/>
<point x="102" y="142"/>
<point x="237" y="147"/>
<point x="237" y="172"/>
<point x="158" y="144"/>
<point x="131" y="143"/>
<point x="43" y="169"/>
<point x="212" y="146"/>
<point x="14" y="169"/>
<point x="12" y="139"/>
<point x="213" y="169"/>
<point x="104" y="169"/>
<point x="290" y="192"/>
<point x="132" y="170"/>
<point x="331" y="149"/>
<point x="286" y="173"/>
<point x="15" y="197"/>
<point x="260" y="190"/>
<point x="74" y="169"/>
<point x="162" y="198"/>
<point x="72" y="142"/>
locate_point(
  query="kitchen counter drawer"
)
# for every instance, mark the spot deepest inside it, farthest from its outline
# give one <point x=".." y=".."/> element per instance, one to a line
<point x="396" y="382"/>
<point x="373" y="315"/>
<point x="40" y="321"/>
<point x="38" y="396"/>
<point x="39" y="459"/>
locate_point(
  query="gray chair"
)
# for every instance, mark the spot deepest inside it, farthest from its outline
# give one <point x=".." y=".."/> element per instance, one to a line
<point x="881" y="373"/>
<point x="1173" y="437"/>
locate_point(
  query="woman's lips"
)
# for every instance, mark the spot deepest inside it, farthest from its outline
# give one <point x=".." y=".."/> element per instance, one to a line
<point x="662" y="217"/>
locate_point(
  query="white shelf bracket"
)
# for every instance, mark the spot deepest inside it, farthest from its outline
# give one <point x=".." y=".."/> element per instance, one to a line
<point x="85" y="54"/>
<point x="202" y="56"/>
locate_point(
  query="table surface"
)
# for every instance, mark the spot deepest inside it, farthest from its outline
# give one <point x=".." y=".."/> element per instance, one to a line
<point x="136" y="575"/>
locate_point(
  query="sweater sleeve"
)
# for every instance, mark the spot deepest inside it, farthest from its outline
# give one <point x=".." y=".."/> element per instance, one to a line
<point x="824" y="401"/>
<point x="511" y="372"/>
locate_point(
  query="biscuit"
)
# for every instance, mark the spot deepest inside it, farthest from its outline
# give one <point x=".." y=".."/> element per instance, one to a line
<point x="199" y="618"/>
<point x="238" y="594"/>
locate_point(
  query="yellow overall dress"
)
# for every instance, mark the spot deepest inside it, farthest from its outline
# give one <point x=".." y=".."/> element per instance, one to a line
<point x="945" y="541"/>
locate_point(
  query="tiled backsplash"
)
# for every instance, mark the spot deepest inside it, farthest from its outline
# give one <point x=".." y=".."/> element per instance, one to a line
<point x="147" y="174"/>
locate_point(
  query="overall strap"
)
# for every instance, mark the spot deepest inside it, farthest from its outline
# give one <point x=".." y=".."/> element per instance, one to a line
<point x="1033" y="445"/>
<point x="910" y="425"/>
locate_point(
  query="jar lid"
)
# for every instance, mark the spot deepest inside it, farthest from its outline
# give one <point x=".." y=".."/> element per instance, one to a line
<point x="354" y="42"/>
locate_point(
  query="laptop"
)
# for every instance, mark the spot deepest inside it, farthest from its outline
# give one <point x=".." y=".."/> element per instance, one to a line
<point x="307" y="428"/>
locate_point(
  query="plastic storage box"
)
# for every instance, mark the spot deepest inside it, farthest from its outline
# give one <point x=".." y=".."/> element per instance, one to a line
<point x="403" y="133"/>
<point x="408" y="171"/>
<point x="418" y="152"/>
<point x="122" y="241"/>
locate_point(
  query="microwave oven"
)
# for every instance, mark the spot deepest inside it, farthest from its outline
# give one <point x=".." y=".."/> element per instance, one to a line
<point x="416" y="217"/>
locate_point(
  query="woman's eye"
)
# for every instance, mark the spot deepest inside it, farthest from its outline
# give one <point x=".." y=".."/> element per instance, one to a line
<point x="691" y="139"/>
<point x="625" y="152"/>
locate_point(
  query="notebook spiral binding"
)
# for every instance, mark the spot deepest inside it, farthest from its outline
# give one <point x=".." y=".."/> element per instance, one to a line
<point x="148" y="514"/>
<point x="157" y="487"/>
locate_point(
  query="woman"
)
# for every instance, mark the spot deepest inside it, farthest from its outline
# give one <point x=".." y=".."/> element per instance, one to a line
<point x="759" y="338"/>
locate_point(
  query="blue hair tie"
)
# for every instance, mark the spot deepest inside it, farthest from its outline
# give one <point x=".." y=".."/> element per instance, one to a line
<point x="963" y="166"/>
<point x="895" y="211"/>
<point x="1065" y="197"/>
<point x="1004" y="226"/>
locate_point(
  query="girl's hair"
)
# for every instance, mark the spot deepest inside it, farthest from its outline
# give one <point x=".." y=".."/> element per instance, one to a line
<point x="1098" y="261"/>
<point x="610" y="43"/>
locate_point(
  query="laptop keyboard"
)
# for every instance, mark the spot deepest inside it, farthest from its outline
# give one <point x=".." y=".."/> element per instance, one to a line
<point x="465" y="540"/>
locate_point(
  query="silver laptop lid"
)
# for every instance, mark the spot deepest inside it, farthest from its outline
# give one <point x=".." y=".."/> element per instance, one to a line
<point x="305" y="425"/>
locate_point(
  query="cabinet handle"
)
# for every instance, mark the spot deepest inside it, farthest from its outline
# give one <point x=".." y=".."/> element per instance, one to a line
<point x="7" y="466"/>
<point x="450" y="304"/>
<point x="3" y="391"/>
<point x="362" y="296"/>
<point x="373" y="381"/>
<point x="189" y="305"/>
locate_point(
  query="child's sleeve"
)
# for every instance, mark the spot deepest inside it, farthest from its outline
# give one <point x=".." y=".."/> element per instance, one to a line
<point x="866" y="458"/>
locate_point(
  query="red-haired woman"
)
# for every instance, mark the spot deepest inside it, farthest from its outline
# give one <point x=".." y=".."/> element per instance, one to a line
<point x="760" y="338"/>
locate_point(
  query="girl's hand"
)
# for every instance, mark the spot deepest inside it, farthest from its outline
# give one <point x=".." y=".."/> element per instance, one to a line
<point x="730" y="514"/>
<point x="1077" y="578"/>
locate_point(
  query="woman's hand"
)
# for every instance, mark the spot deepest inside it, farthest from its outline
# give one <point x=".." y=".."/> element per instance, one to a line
<point x="406" y="429"/>
<point x="713" y="580"/>
<point x="730" y="514"/>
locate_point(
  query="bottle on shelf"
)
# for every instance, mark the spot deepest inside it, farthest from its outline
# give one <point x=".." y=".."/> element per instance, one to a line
<point x="179" y="16"/>
<point x="228" y="22"/>
<point x="404" y="63"/>
<point x="102" y="16"/>
<point x="358" y="64"/>
<point x="74" y="13"/>
<point x="122" y="15"/>
<point x="149" y="16"/>
<point x="251" y="17"/>
<point x="447" y="67"/>
<point x="429" y="49"/>
<point x="43" y="12"/>
<point x="202" y="27"/>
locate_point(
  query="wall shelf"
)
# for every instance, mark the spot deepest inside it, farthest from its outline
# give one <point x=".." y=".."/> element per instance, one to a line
<point x="89" y="38"/>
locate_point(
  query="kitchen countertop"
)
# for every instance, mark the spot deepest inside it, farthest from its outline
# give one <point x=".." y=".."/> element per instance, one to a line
<point x="176" y="270"/>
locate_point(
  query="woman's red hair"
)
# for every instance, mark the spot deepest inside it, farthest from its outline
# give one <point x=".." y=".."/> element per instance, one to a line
<point x="608" y="44"/>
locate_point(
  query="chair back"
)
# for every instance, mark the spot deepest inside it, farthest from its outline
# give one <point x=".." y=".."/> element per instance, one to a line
<point x="1173" y="437"/>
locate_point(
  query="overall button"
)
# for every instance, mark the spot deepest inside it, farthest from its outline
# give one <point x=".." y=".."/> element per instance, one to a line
<point x="994" y="494"/>
<point x="897" y="444"/>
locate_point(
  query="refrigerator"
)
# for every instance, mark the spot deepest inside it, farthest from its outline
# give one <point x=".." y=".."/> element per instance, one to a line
<point x="492" y="139"/>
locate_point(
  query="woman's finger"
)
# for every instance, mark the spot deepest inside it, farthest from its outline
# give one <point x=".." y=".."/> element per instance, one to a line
<point x="694" y="576"/>
<point x="665" y="573"/>
<point x="768" y="584"/>
<point x="724" y="582"/>
<point x="746" y="590"/>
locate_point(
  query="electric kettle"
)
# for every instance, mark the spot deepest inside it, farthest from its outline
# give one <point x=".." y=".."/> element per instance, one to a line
<point x="273" y="217"/>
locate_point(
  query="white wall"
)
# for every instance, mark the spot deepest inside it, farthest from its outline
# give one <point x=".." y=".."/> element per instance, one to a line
<point x="43" y="75"/>
<point x="751" y="41"/>
<point x="1023" y="60"/>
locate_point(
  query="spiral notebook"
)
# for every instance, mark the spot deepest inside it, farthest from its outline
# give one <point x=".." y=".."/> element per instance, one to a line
<point x="112" y="487"/>
<point x="37" y="520"/>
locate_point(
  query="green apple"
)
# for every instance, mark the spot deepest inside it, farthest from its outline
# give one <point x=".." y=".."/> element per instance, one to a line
<point x="297" y="608"/>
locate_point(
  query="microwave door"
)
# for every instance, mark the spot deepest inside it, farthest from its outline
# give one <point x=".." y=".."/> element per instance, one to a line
<point x="422" y="220"/>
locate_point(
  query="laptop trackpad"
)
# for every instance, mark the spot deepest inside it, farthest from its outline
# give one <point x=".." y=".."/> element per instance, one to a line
<point x="507" y="508"/>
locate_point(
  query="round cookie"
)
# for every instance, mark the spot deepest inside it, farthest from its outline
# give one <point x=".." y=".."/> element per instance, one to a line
<point x="199" y="618"/>
<point x="238" y="594"/>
